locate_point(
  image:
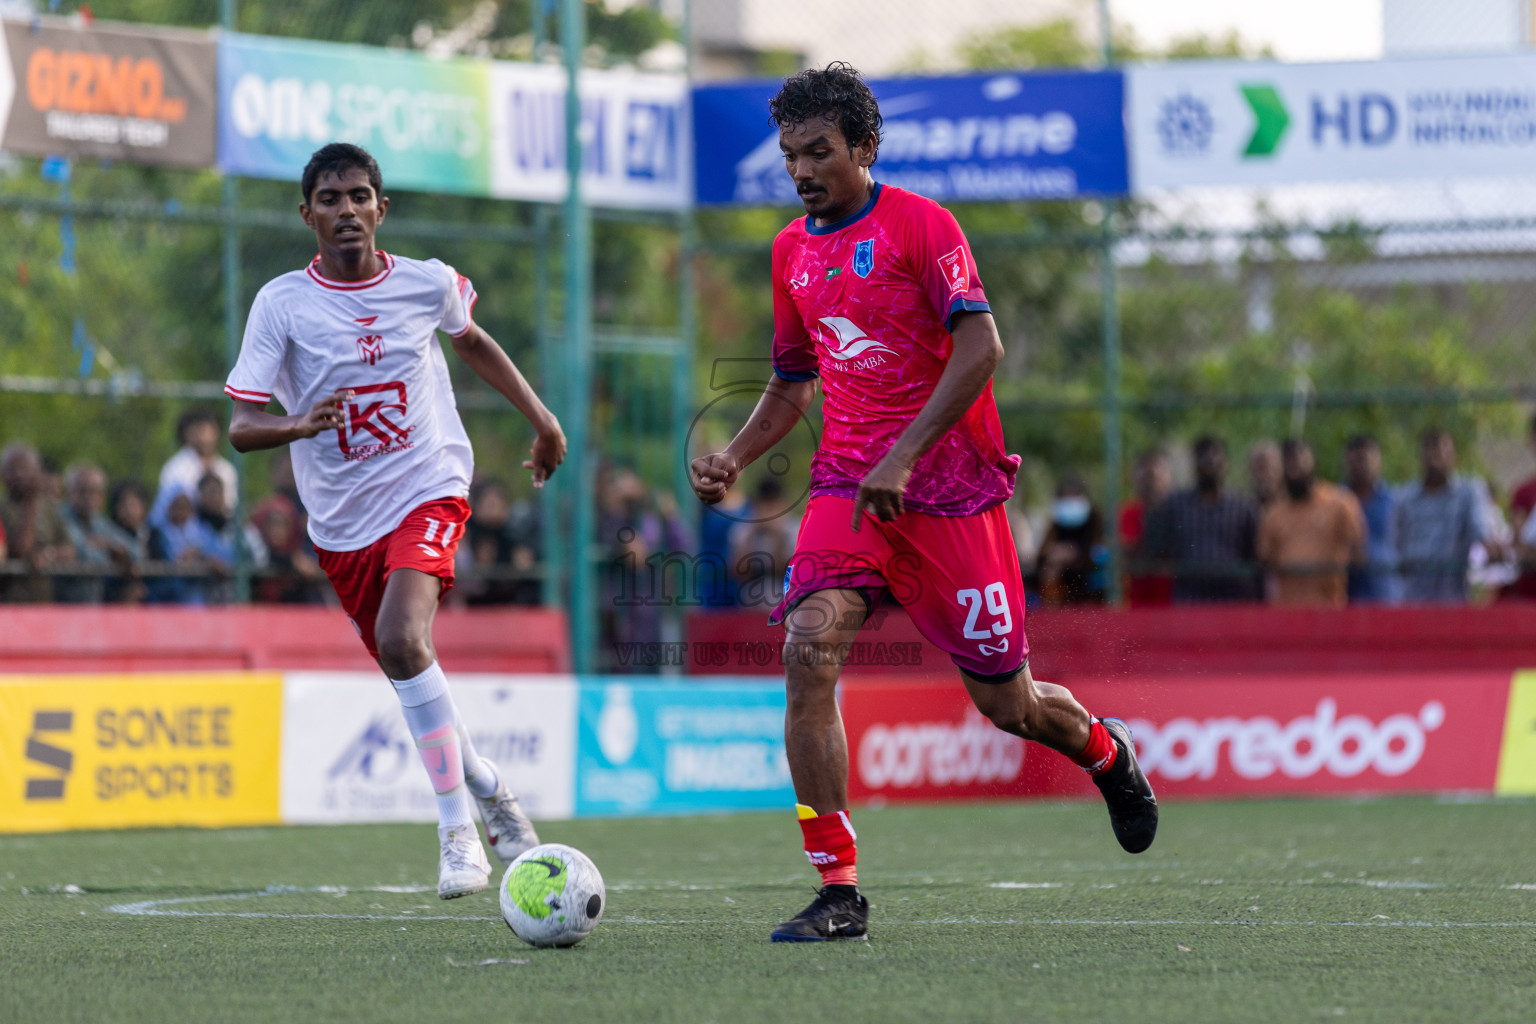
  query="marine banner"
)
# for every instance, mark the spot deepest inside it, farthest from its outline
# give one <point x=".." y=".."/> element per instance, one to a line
<point x="952" y="138"/>
<point x="348" y="757"/>
<point x="655" y="748"/>
<point x="138" y="94"/>
<point x="151" y="749"/>
<point x="1266" y="123"/>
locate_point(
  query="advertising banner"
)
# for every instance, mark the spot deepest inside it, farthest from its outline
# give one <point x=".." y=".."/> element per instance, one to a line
<point x="1213" y="736"/>
<point x="425" y="121"/>
<point x="1263" y="123"/>
<point x="143" y="95"/>
<point x="656" y="748"/>
<point x="973" y="137"/>
<point x="1517" y="755"/>
<point x="635" y="127"/>
<point x="124" y="751"/>
<point x="347" y="755"/>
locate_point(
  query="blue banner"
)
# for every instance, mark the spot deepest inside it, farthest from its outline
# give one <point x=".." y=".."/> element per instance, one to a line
<point x="976" y="137"/>
<point x="658" y="748"/>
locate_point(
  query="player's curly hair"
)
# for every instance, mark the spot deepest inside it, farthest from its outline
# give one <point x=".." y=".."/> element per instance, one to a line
<point x="835" y="93"/>
<point x="338" y="158"/>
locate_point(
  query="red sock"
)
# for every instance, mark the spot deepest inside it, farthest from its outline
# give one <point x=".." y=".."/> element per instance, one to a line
<point x="829" y="843"/>
<point x="1098" y="756"/>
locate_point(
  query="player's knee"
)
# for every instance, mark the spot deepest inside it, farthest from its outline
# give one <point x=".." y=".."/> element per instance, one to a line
<point x="808" y="679"/>
<point x="404" y="653"/>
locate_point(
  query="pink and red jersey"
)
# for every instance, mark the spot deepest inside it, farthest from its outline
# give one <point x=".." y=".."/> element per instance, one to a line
<point x="866" y="304"/>
<point x="402" y="443"/>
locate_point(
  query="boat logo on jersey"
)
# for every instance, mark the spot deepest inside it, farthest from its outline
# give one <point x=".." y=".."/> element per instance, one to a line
<point x="853" y="344"/>
<point x="955" y="270"/>
<point x="375" y="422"/>
<point x="370" y="347"/>
<point x="864" y="257"/>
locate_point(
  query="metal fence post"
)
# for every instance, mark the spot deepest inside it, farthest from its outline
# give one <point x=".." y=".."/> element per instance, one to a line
<point x="229" y="236"/>
<point x="1109" y="300"/>
<point x="578" y="349"/>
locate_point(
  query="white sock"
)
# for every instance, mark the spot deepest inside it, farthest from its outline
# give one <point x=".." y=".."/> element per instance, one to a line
<point x="433" y="722"/>
<point x="479" y="774"/>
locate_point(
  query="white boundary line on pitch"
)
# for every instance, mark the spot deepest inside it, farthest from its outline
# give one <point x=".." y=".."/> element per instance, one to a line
<point x="159" y="908"/>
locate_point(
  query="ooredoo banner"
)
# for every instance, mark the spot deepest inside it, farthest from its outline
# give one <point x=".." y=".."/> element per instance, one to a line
<point x="145" y="95"/>
<point x="1260" y="123"/>
<point x="1223" y="736"/>
<point x="348" y="756"/>
<point x="125" y="751"/>
<point x="966" y="137"/>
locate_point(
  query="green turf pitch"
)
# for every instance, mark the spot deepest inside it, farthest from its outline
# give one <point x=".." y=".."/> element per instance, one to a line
<point x="1397" y="910"/>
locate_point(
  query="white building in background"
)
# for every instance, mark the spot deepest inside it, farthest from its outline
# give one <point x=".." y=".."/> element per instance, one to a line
<point x="879" y="37"/>
<point x="1418" y="28"/>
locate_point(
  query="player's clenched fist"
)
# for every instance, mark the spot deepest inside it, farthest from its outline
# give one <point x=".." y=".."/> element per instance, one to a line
<point x="547" y="453"/>
<point x="712" y="476"/>
<point x="326" y="414"/>
<point x="881" y="492"/>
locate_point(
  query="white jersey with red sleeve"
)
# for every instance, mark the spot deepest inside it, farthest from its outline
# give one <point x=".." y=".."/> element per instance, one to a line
<point x="402" y="442"/>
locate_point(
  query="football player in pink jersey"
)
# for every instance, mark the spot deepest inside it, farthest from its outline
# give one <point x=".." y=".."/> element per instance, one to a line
<point x="876" y="294"/>
<point x="349" y="346"/>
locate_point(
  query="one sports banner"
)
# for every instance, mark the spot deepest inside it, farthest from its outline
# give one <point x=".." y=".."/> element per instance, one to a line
<point x="1265" y="123"/>
<point x="658" y="748"/>
<point x="426" y="121"/>
<point x="143" y="95"/>
<point x="348" y="756"/>
<point x="972" y="137"/>
<point x="193" y="748"/>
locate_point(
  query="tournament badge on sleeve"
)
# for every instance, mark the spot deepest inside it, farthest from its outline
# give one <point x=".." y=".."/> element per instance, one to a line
<point x="864" y="257"/>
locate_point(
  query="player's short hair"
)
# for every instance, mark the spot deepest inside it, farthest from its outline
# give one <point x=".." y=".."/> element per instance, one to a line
<point x="835" y="93"/>
<point x="1434" y="436"/>
<point x="338" y="158"/>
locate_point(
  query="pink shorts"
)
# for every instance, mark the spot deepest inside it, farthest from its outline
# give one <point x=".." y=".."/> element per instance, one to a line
<point x="957" y="576"/>
<point x="426" y="540"/>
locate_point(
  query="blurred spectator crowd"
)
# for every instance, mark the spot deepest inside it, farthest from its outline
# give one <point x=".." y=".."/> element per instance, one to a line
<point x="1288" y="538"/>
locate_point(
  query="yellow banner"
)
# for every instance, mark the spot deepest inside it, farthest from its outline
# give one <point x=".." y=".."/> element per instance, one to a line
<point x="1517" y="754"/>
<point x="110" y="751"/>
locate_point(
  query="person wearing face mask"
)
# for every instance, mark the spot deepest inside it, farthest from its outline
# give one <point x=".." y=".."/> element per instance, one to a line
<point x="1072" y="555"/>
<point x="1310" y="535"/>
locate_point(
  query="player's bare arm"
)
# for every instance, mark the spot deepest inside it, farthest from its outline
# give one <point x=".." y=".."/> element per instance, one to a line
<point x="783" y="403"/>
<point x="492" y="364"/>
<point x="978" y="351"/>
<point x="252" y="428"/>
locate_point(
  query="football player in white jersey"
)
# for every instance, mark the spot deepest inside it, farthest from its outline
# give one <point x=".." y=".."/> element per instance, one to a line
<point x="349" y="346"/>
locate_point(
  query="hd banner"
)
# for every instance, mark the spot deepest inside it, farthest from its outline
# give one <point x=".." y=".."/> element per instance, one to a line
<point x="143" y="95"/>
<point x="1263" y="123"/>
<point x="135" y="750"/>
<point x="966" y="138"/>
